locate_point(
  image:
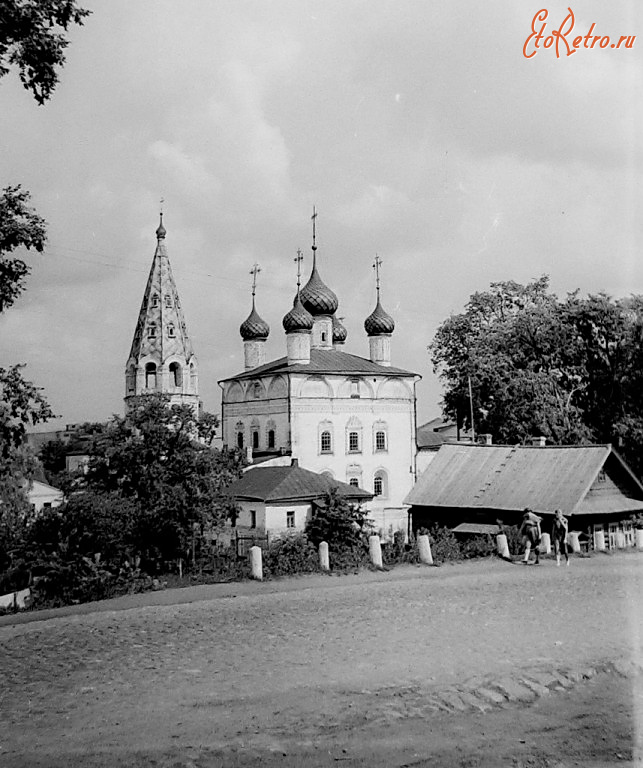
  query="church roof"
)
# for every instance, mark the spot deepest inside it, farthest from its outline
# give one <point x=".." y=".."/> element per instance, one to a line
<point x="160" y="330"/>
<point x="293" y="483"/>
<point x="324" y="361"/>
<point x="379" y="321"/>
<point x="254" y="326"/>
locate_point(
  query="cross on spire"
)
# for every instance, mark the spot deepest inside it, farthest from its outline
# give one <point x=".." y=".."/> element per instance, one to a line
<point x="299" y="258"/>
<point x="376" y="267"/>
<point x="162" y="201"/>
<point x="254" y="272"/>
<point x="314" y="218"/>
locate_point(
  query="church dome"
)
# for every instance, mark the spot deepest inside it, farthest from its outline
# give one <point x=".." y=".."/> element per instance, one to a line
<point x="160" y="230"/>
<point x="298" y="319"/>
<point x="379" y="322"/>
<point x="253" y="327"/>
<point x="339" y="332"/>
<point x="317" y="297"/>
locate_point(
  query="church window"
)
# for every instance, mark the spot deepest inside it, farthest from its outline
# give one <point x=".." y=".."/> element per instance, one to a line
<point x="271" y="438"/>
<point x="379" y="484"/>
<point x="253" y="518"/>
<point x="150" y="376"/>
<point x="176" y="375"/>
<point x="155" y="301"/>
<point x="239" y="439"/>
<point x="256" y="390"/>
<point x="355" y="388"/>
<point x="353" y="442"/>
<point x="170" y="331"/>
<point x="323" y="336"/>
<point x="326" y="445"/>
<point x="290" y="518"/>
<point x="168" y="301"/>
<point x="255" y="439"/>
<point x="354" y="481"/>
<point x="151" y="331"/>
<point x="380" y="440"/>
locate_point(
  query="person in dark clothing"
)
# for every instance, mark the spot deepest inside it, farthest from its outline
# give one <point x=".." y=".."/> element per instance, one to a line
<point x="530" y="532"/>
<point x="559" y="532"/>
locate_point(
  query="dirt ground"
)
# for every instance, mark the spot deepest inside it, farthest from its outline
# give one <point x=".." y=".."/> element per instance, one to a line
<point x="479" y="664"/>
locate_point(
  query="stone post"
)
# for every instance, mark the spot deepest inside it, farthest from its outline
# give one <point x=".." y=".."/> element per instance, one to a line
<point x="424" y="549"/>
<point x="545" y="544"/>
<point x="502" y="545"/>
<point x="256" y="563"/>
<point x="324" y="562"/>
<point x="572" y="540"/>
<point x="620" y="539"/>
<point x="639" y="537"/>
<point x="599" y="541"/>
<point x="375" y="551"/>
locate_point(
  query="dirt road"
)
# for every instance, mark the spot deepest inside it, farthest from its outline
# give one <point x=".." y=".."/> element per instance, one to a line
<point x="480" y="664"/>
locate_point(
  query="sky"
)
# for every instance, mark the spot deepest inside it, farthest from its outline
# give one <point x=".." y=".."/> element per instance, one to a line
<point x="419" y="130"/>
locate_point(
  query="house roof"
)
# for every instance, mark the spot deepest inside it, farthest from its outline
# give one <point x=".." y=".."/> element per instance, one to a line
<point x="505" y="477"/>
<point x="324" y="361"/>
<point x="427" y="437"/>
<point x="293" y="483"/>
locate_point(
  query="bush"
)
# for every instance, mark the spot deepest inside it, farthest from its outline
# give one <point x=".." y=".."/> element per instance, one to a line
<point x="397" y="551"/>
<point x="290" y="555"/>
<point x="444" y="545"/>
<point x="478" y="546"/>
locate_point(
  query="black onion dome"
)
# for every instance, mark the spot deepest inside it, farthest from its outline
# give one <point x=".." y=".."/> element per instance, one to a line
<point x="298" y="319"/>
<point x="379" y="322"/>
<point x="253" y="327"/>
<point x="339" y="332"/>
<point x="160" y="230"/>
<point x="317" y="297"/>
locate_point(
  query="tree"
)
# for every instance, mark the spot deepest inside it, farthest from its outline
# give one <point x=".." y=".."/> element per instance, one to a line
<point x="20" y="226"/>
<point x="32" y="39"/>
<point x="153" y="456"/>
<point x="569" y="370"/>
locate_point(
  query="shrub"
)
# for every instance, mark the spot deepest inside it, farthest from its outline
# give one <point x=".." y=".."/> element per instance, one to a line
<point x="290" y="555"/>
<point x="397" y="551"/>
<point x="477" y="546"/>
<point x="444" y="545"/>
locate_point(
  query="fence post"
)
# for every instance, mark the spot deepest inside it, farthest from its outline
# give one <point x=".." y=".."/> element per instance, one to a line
<point x="545" y="544"/>
<point x="375" y="551"/>
<point x="424" y="549"/>
<point x="502" y="546"/>
<point x="639" y="537"/>
<point x="572" y="538"/>
<point x="256" y="563"/>
<point x="324" y="562"/>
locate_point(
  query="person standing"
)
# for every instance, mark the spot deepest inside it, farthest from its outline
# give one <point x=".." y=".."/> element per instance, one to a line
<point x="559" y="531"/>
<point x="530" y="532"/>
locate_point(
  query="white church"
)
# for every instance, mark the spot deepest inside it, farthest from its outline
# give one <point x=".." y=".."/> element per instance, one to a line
<point x="349" y="417"/>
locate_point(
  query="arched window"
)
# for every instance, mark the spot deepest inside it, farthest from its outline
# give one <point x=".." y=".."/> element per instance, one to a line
<point x="255" y="439"/>
<point x="257" y="390"/>
<point x="150" y="376"/>
<point x="271" y="438"/>
<point x="353" y="442"/>
<point x="239" y="429"/>
<point x="171" y="333"/>
<point x="168" y="301"/>
<point x="176" y="375"/>
<point x="155" y="301"/>
<point x="131" y="379"/>
<point x="325" y="442"/>
<point x="151" y="331"/>
<point x="380" y="484"/>
<point x="380" y="440"/>
<point x="354" y="482"/>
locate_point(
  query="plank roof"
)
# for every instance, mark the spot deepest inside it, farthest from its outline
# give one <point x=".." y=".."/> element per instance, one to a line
<point x="506" y="477"/>
<point x="293" y="483"/>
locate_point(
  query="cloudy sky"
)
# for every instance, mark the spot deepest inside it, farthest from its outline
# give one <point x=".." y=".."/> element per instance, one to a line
<point x="418" y="129"/>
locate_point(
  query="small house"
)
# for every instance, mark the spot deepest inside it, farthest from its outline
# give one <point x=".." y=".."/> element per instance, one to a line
<point x="479" y="485"/>
<point x="277" y="500"/>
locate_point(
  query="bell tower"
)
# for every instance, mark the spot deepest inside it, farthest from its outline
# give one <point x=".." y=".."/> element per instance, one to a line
<point x="161" y="359"/>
